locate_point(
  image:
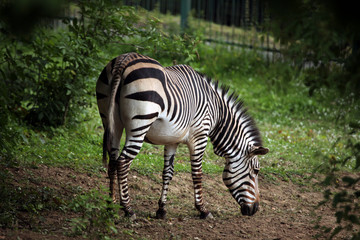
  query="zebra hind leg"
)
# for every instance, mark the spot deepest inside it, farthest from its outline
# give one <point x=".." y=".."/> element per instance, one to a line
<point x="123" y="163"/>
<point x="168" y="172"/>
<point x="113" y="159"/>
<point x="112" y="173"/>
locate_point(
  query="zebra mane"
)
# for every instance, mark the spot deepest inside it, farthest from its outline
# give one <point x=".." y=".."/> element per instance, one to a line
<point x="237" y="106"/>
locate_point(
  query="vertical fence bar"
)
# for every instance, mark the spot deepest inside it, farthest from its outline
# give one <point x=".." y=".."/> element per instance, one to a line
<point x="148" y="5"/>
<point x="211" y="14"/>
<point x="221" y="9"/>
<point x="198" y="12"/>
<point x="185" y="10"/>
<point x="233" y="16"/>
<point x="243" y="20"/>
<point x="223" y="21"/>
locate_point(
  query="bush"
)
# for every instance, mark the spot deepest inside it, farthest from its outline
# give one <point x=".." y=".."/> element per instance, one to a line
<point x="324" y="36"/>
<point x="343" y="192"/>
<point x="97" y="215"/>
<point x="51" y="75"/>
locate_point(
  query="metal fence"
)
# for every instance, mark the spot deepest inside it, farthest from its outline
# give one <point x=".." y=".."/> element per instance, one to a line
<point x="241" y="24"/>
<point x="238" y="23"/>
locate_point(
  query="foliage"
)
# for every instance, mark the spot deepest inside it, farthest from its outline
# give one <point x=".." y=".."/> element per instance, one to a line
<point x="9" y="133"/>
<point x="343" y="191"/>
<point x="97" y="215"/>
<point x="324" y="35"/>
<point x="50" y="76"/>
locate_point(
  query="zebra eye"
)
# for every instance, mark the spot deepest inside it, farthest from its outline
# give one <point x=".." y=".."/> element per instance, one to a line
<point x="256" y="171"/>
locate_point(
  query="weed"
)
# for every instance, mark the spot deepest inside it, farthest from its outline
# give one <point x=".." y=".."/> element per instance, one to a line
<point x="97" y="214"/>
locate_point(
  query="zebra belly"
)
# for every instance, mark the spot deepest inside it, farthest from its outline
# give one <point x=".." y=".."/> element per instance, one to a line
<point x="162" y="132"/>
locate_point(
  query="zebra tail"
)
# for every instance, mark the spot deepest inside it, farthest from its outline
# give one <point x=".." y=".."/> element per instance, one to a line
<point x="109" y="130"/>
<point x="105" y="148"/>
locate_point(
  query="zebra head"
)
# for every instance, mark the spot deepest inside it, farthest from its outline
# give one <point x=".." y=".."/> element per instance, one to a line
<point x="241" y="177"/>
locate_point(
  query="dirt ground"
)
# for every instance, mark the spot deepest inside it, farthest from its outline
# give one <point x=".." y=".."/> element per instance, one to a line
<point x="287" y="210"/>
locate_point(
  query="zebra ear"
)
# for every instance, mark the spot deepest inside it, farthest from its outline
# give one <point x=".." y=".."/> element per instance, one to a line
<point x="258" y="150"/>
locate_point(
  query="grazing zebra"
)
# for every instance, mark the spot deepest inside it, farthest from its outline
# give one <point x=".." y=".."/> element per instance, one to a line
<point x="169" y="106"/>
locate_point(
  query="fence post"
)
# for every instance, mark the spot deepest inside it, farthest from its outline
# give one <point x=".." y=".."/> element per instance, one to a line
<point x="185" y="10"/>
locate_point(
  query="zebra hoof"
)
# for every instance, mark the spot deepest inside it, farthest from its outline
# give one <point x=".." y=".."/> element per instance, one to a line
<point x="160" y="214"/>
<point x="131" y="215"/>
<point x="206" y="215"/>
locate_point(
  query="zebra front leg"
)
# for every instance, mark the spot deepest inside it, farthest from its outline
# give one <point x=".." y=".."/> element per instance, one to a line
<point x="196" y="154"/>
<point x="168" y="172"/>
<point x="199" y="202"/>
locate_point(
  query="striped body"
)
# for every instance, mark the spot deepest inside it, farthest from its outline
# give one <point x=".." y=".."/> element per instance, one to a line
<point x="169" y="106"/>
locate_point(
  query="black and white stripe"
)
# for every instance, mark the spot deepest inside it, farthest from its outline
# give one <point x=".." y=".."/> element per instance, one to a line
<point x="169" y="106"/>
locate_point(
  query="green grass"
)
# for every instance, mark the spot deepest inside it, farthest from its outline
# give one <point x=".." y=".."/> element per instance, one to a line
<point x="78" y="147"/>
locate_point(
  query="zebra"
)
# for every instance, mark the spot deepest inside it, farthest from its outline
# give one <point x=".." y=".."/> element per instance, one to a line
<point x="171" y="106"/>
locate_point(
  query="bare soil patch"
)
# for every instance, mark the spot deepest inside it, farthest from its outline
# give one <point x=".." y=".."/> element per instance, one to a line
<point x="287" y="210"/>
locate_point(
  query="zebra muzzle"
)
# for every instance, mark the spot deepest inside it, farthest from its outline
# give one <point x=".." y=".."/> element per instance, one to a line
<point x="249" y="210"/>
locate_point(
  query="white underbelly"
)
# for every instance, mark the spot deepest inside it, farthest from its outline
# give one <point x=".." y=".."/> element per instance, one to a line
<point x="163" y="132"/>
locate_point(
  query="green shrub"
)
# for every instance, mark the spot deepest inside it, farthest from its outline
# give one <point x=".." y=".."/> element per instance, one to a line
<point x="323" y="35"/>
<point x="342" y="190"/>
<point x="97" y="215"/>
<point x="51" y="75"/>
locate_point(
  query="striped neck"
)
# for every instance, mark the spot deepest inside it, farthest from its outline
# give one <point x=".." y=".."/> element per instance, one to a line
<point x="234" y="132"/>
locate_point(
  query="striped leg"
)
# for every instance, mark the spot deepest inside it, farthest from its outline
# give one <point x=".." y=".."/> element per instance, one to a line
<point x="129" y="152"/>
<point x="114" y="153"/>
<point x="168" y="172"/>
<point x="196" y="154"/>
<point x="112" y="172"/>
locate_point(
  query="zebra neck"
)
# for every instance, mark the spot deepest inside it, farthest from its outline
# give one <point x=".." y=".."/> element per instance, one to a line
<point x="223" y="136"/>
<point x="234" y="131"/>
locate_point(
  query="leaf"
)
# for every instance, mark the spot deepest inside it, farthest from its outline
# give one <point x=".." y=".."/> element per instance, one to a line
<point x="24" y="138"/>
<point x="41" y="116"/>
<point x="114" y="229"/>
